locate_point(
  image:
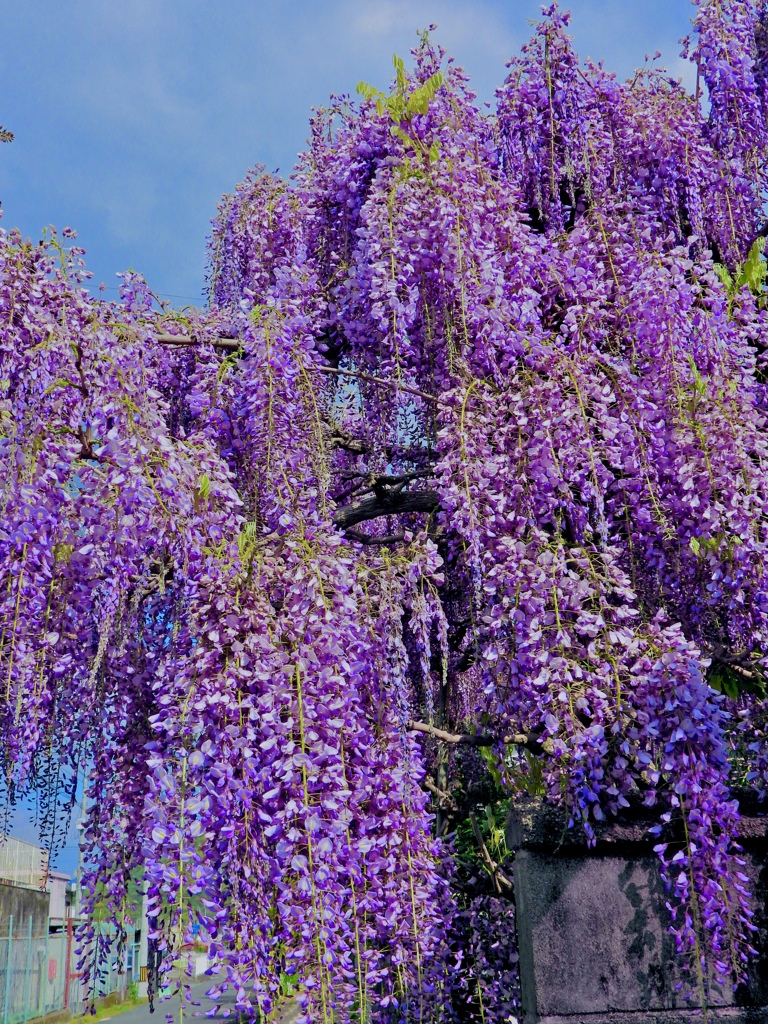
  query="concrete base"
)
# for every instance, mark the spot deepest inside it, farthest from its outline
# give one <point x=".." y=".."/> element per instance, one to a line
<point x="57" y="1017"/>
<point x="725" y="1015"/>
<point x="592" y="927"/>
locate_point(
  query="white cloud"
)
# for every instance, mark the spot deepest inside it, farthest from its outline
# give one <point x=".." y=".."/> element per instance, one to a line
<point x="377" y="18"/>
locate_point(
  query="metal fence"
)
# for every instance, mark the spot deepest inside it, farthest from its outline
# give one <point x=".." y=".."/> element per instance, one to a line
<point x="38" y="974"/>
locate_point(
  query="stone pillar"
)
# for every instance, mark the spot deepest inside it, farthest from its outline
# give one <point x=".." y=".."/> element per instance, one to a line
<point x="592" y="926"/>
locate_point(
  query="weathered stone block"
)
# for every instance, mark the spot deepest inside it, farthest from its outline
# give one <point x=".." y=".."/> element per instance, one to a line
<point x="593" y="928"/>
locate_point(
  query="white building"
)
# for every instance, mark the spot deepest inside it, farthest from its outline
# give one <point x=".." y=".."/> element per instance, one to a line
<point x="22" y="863"/>
<point x="27" y="867"/>
<point x="57" y="886"/>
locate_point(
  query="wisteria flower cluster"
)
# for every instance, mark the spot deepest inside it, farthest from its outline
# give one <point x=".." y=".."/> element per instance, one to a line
<point x="466" y="457"/>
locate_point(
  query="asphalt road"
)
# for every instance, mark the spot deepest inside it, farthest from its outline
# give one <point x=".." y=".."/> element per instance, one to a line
<point x="141" y="1015"/>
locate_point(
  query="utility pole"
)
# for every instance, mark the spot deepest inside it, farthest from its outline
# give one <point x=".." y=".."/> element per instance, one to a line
<point x="80" y="826"/>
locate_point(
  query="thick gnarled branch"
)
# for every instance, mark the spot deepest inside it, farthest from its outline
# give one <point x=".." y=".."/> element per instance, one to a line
<point x="386" y="504"/>
<point x="340" y="438"/>
<point x="183" y="340"/>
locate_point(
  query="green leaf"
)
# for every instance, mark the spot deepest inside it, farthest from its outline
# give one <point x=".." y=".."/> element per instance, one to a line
<point x="752" y="274"/>
<point x="754" y="270"/>
<point x="724" y="275"/>
<point x="247" y="540"/>
<point x="400" y="105"/>
<point x="433" y="83"/>
<point x="203" y="488"/>
<point x="227" y="365"/>
<point x="727" y="680"/>
<point x="400" y="70"/>
<point x="694" y="545"/>
<point x="730" y="688"/>
<point x="716" y="678"/>
<point x="490" y="759"/>
<point x="420" y="98"/>
<point x="398" y="132"/>
<point x="63" y="552"/>
<point x="368" y="91"/>
<point x="698" y="381"/>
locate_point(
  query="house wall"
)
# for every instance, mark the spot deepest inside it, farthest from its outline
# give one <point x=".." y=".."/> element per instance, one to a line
<point x="57" y="887"/>
<point x="23" y="904"/>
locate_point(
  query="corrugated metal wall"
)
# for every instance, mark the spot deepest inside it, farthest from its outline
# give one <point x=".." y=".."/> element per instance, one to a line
<point x="23" y="863"/>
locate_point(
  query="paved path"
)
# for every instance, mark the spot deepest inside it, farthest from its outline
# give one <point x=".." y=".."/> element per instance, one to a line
<point x="192" y="1014"/>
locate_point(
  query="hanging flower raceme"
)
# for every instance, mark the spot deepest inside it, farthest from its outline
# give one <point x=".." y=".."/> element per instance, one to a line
<point x="727" y="60"/>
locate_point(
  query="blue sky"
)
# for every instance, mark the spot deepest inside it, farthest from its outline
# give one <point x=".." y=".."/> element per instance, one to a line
<point x="133" y="118"/>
